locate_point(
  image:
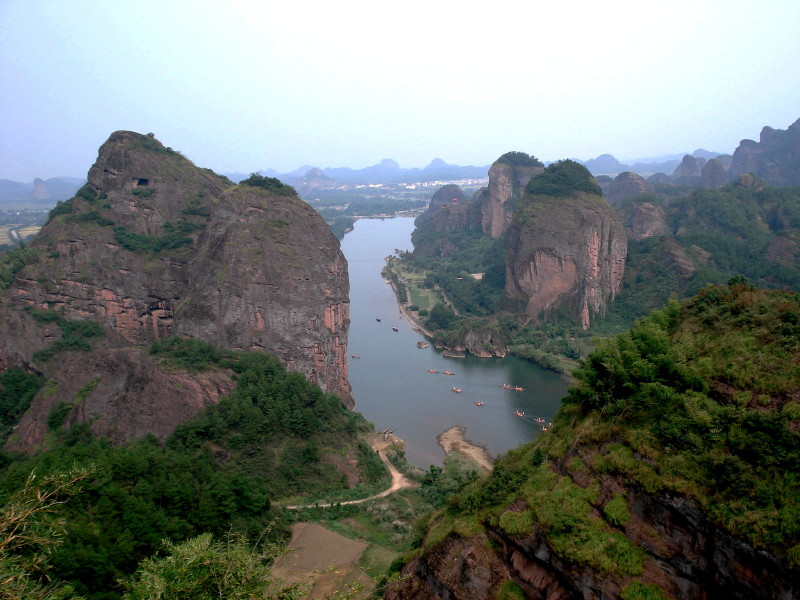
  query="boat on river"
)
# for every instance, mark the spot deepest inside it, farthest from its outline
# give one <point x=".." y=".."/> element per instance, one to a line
<point x="478" y="403"/>
<point x="519" y="413"/>
<point x="432" y="371"/>
<point x="448" y="373"/>
<point x="456" y="390"/>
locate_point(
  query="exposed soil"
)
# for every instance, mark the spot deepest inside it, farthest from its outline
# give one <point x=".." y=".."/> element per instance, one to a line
<point x="322" y="560"/>
<point x="452" y="440"/>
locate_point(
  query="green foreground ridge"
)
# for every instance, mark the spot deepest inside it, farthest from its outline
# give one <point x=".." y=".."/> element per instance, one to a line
<point x="700" y="402"/>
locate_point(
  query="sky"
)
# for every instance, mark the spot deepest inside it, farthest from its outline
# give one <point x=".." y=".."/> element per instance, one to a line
<point x="240" y="86"/>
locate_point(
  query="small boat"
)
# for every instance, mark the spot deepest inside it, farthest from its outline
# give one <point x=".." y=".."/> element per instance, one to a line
<point x="354" y="356"/>
<point x="506" y="386"/>
<point x="540" y="420"/>
<point x="519" y="413"/>
<point x="545" y="428"/>
<point x="378" y="319"/>
<point x="456" y="390"/>
<point x="519" y="389"/>
<point x="395" y="329"/>
<point x="432" y="371"/>
<point x="478" y="403"/>
<point x="422" y="344"/>
<point x="449" y="373"/>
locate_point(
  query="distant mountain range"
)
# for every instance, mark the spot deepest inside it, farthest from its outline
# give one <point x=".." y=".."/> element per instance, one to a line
<point x="389" y="171"/>
<point x="49" y="191"/>
<point x="386" y="171"/>
<point x="39" y="191"/>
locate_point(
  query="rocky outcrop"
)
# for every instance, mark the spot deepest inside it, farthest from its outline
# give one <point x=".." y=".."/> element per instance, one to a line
<point x="448" y="211"/>
<point x="775" y="158"/>
<point x="688" y="169"/>
<point x="687" y="556"/>
<point x="505" y="182"/>
<point x="564" y="256"/>
<point x="154" y="246"/>
<point x="447" y="195"/>
<point x="645" y="220"/>
<point x="625" y="186"/>
<point x="713" y="175"/>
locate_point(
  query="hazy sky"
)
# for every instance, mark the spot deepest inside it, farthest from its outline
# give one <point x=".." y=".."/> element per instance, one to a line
<point x="243" y="86"/>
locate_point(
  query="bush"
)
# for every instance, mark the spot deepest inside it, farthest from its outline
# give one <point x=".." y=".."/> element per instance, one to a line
<point x="271" y="184"/>
<point x="564" y="178"/>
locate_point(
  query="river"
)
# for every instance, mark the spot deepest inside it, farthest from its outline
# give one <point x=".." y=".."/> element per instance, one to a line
<point x="390" y="379"/>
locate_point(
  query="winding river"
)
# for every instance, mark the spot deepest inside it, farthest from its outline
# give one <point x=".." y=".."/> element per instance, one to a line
<point x="391" y="383"/>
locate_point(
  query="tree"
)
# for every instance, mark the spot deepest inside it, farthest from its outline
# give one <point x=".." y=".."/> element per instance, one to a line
<point x="29" y="530"/>
<point x="204" y="569"/>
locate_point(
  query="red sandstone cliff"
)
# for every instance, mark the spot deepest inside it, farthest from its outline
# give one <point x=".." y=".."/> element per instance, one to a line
<point x="259" y="270"/>
<point x="564" y="256"/>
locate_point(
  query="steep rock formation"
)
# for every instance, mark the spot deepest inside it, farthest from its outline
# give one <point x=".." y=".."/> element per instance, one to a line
<point x="448" y="211"/>
<point x="154" y="246"/>
<point x="713" y="175"/>
<point x="564" y="256"/>
<point x="645" y="220"/>
<point x="505" y="182"/>
<point x="688" y="169"/>
<point x="626" y="185"/>
<point x="775" y="158"/>
<point x="689" y="557"/>
<point x="446" y="195"/>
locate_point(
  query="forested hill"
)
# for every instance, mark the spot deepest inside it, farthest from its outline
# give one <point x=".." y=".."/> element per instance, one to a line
<point x="707" y="237"/>
<point x="670" y="472"/>
<point x="275" y="436"/>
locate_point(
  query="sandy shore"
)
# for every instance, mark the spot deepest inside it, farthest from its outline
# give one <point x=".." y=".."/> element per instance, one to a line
<point x="453" y="440"/>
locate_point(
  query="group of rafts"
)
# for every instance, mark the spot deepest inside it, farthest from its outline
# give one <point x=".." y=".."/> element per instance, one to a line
<point x="505" y="386"/>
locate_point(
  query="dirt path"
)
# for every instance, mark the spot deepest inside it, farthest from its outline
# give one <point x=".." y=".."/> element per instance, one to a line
<point x="399" y="481"/>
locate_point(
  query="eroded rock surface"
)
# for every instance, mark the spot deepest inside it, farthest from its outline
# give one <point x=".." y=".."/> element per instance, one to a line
<point x="154" y="246"/>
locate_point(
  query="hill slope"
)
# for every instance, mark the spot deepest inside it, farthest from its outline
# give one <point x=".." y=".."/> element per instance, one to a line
<point x="671" y="471"/>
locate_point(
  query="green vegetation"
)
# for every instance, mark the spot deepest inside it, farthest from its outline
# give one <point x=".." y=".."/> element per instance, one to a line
<point x="12" y="262"/>
<point x="29" y="534"/>
<point x="697" y="400"/>
<point x="17" y="389"/>
<point x="562" y="179"/>
<point x="519" y="159"/>
<point x="275" y="436"/>
<point x="203" y="569"/>
<point x="271" y="184"/>
<point x="74" y="334"/>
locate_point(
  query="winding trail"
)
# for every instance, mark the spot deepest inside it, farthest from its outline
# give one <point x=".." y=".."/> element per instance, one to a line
<point x="399" y="481"/>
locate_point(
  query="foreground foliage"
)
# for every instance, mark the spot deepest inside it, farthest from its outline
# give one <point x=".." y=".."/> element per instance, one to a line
<point x="699" y="401"/>
<point x="275" y="436"/>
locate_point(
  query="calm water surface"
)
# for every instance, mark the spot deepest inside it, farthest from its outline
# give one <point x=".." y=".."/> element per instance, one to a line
<point x="391" y="385"/>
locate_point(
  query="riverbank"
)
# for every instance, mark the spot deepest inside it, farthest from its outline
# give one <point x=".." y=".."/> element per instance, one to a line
<point x="415" y="322"/>
<point x="453" y="440"/>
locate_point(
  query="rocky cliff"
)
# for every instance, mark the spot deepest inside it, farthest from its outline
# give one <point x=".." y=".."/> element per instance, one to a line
<point x="446" y="195"/>
<point x="151" y="247"/>
<point x="508" y="177"/>
<point x="663" y="476"/>
<point x="625" y="186"/>
<point x="775" y="158"/>
<point x="565" y="250"/>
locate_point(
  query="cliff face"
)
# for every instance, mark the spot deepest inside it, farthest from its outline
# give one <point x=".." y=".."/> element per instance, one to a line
<point x="154" y="246"/>
<point x="564" y="256"/>
<point x="688" y="558"/>
<point x="446" y="195"/>
<point x="505" y="182"/>
<point x="775" y="158"/>
<point x="626" y="185"/>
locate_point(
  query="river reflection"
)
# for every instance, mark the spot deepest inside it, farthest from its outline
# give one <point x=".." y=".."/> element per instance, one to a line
<point x="390" y="379"/>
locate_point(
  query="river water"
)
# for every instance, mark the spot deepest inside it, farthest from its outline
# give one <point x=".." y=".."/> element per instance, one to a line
<point x="391" y="385"/>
